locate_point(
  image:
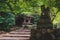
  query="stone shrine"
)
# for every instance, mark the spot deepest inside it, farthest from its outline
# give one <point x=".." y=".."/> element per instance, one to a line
<point x="27" y="20"/>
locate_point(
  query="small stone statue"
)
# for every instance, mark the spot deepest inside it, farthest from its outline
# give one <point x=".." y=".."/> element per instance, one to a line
<point x="45" y="11"/>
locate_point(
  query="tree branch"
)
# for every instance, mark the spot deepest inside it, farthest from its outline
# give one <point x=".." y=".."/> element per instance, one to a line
<point x="55" y="16"/>
<point x="10" y="7"/>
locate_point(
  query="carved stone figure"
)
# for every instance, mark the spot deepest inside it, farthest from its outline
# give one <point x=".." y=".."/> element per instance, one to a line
<point x="43" y="24"/>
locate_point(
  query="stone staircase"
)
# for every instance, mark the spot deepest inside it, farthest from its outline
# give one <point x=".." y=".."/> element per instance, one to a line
<point x="21" y="34"/>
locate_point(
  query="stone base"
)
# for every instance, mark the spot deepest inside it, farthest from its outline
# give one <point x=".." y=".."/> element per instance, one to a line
<point x="41" y="35"/>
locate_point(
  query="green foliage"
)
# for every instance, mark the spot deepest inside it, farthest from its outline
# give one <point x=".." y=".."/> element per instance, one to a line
<point x="24" y="5"/>
<point x="36" y="18"/>
<point x="57" y="4"/>
<point x="7" y="22"/>
<point x="17" y="6"/>
<point x="1" y="19"/>
<point x="3" y="1"/>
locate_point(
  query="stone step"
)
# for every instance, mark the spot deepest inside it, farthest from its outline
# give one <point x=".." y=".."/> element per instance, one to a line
<point x="23" y="30"/>
<point x="18" y="36"/>
<point x="11" y="38"/>
<point x="11" y="35"/>
<point x="19" y="32"/>
<point x="22" y="33"/>
<point x="14" y="39"/>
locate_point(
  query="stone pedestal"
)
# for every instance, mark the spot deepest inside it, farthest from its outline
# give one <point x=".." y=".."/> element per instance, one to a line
<point x="27" y="21"/>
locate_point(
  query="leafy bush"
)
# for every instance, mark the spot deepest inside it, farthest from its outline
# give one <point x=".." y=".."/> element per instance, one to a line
<point x="7" y="21"/>
<point x="36" y="18"/>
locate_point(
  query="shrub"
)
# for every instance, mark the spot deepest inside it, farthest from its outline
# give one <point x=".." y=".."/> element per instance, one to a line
<point x="7" y="21"/>
<point x="36" y="18"/>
